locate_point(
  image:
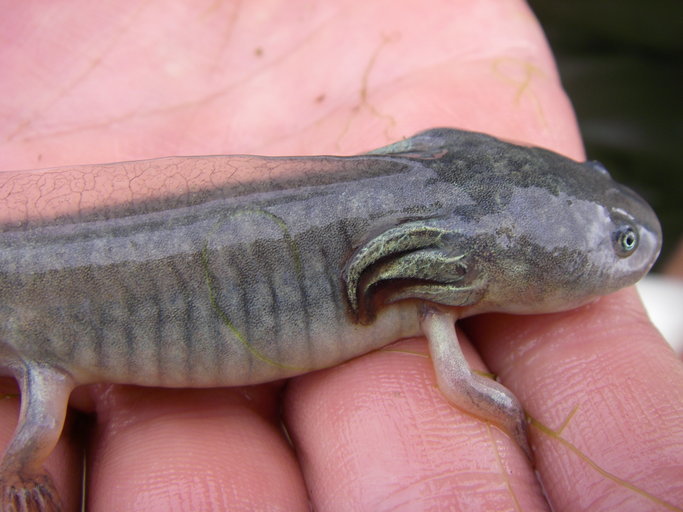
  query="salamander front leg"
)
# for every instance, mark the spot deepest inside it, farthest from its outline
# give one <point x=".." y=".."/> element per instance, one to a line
<point x="24" y="483"/>
<point x="477" y="395"/>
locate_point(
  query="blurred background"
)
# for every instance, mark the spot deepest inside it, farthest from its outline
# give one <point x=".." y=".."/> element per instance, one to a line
<point x="621" y="62"/>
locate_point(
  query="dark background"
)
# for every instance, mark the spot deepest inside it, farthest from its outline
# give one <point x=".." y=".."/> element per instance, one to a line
<point x="621" y="63"/>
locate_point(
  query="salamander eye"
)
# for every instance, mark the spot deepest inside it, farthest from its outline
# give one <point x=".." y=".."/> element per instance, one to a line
<point x="625" y="240"/>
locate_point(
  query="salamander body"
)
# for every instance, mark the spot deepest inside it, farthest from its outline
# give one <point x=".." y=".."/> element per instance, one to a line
<point x="260" y="268"/>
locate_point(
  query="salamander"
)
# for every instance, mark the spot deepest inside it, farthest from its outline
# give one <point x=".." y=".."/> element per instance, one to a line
<point x="247" y="269"/>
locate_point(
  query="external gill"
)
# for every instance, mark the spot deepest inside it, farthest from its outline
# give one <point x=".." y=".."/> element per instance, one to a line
<point x="410" y="252"/>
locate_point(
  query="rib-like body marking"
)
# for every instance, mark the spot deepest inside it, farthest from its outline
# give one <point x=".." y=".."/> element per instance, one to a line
<point x="262" y="275"/>
<point x="250" y="281"/>
<point x="232" y="290"/>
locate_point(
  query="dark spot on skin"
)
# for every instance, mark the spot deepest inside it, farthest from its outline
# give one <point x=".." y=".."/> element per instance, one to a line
<point x="320" y="98"/>
<point x="258" y="51"/>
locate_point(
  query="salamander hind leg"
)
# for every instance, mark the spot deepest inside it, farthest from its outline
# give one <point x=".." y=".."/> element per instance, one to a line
<point x="477" y="395"/>
<point x="24" y="484"/>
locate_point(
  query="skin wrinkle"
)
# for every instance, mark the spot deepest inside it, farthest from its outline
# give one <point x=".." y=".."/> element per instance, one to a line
<point x="409" y="493"/>
<point x="363" y="101"/>
<point x="421" y="421"/>
<point x="587" y="432"/>
<point x="524" y="86"/>
<point x="62" y="91"/>
<point x="435" y="53"/>
<point x="205" y="101"/>
<point x="228" y="30"/>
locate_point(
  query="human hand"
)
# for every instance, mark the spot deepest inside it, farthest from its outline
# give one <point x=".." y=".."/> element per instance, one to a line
<point x="92" y="82"/>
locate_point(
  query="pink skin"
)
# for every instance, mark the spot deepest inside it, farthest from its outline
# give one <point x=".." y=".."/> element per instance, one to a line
<point x="89" y="82"/>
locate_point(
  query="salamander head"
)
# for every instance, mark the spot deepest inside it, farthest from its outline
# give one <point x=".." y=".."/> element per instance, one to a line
<point x="560" y="239"/>
<point x="520" y="230"/>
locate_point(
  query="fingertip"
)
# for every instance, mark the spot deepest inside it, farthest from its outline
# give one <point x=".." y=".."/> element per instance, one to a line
<point x="191" y="450"/>
<point x="376" y="433"/>
<point x="604" y="392"/>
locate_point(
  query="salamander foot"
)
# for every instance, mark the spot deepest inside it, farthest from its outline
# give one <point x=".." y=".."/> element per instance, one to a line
<point x="28" y="493"/>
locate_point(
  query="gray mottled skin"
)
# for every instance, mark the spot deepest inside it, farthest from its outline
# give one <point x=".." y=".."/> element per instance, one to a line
<point x="265" y="280"/>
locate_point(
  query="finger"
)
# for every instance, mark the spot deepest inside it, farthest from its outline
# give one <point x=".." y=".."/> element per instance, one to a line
<point x="188" y="450"/>
<point x="605" y="392"/>
<point x="376" y="434"/>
